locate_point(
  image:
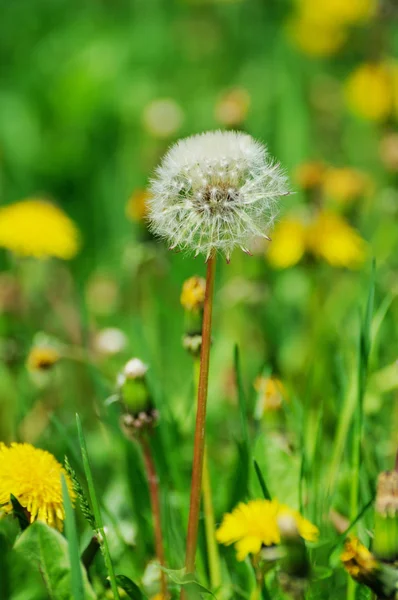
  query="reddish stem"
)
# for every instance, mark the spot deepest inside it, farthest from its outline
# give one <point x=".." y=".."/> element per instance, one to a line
<point x="199" y="441"/>
<point x="156" y="513"/>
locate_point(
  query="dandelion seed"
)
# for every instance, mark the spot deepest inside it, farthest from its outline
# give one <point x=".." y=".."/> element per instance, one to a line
<point x="33" y="476"/>
<point x="214" y="192"/>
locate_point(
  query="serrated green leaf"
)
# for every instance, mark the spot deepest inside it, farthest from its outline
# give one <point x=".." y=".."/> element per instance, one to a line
<point x="47" y="549"/>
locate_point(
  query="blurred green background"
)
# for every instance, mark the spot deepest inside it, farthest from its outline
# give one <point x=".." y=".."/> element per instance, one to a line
<point x="92" y="94"/>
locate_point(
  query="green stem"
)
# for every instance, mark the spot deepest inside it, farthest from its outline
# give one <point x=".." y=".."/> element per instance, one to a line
<point x="199" y="442"/>
<point x="96" y="510"/>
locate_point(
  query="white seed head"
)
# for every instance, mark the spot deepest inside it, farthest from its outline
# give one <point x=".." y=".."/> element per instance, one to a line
<point x="134" y="369"/>
<point x="215" y="191"/>
<point x="110" y="341"/>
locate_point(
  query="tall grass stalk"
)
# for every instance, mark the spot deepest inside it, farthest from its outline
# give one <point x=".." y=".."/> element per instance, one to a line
<point x="73" y="544"/>
<point x="96" y="509"/>
<point x="199" y="442"/>
<point x="364" y="346"/>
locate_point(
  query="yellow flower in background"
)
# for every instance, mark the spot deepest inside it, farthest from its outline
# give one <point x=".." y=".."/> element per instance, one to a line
<point x="370" y="91"/>
<point x="193" y="293"/>
<point x="255" y="524"/>
<point x="42" y="358"/>
<point x="271" y="394"/>
<point x="37" y="228"/>
<point x="338" y="12"/>
<point x="345" y="184"/>
<point x="232" y="108"/>
<point x="330" y="237"/>
<point x="136" y="207"/>
<point x="326" y="235"/>
<point x="33" y="476"/>
<point x="314" y="37"/>
<point x="357" y="560"/>
<point x="288" y="243"/>
<point x="309" y="175"/>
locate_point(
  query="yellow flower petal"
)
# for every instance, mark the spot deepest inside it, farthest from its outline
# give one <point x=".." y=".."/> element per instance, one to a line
<point x="37" y="228"/>
<point x="330" y="237"/>
<point x="33" y="476"/>
<point x="288" y="243"/>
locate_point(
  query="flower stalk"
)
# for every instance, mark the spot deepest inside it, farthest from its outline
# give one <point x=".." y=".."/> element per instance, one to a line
<point x="199" y="441"/>
<point x="153" y="483"/>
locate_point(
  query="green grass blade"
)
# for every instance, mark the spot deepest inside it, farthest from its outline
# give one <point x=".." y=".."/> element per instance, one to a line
<point x="241" y="401"/>
<point x="73" y="544"/>
<point x="96" y="509"/>
<point x="261" y="481"/>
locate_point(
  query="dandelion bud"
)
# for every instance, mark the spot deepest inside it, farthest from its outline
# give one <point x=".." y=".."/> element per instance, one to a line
<point x="139" y="413"/>
<point x="385" y="543"/>
<point x="192" y="299"/>
<point x="215" y="191"/>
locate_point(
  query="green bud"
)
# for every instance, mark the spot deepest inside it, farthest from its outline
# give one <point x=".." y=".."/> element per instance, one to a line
<point x="385" y="542"/>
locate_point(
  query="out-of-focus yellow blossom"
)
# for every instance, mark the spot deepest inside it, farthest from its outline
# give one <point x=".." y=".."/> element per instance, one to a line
<point x="232" y="108"/>
<point x="330" y="237"/>
<point x="255" y="524"/>
<point x="159" y="597"/>
<point x="136" y="207"/>
<point x="338" y="12"/>
<point x="326" y="235"/>
<point x="357" y="560"/>
<point x="288" y="243"/>
<point x="163" y="117"/>
<point x="33" y="476"/>
<point x="37" y="228"/>
<point x="345" y="184"/>
<point x="42" y="358"/>
<point x="370" y="91"/>
<point x="271" y="394"/>
<point x="314" y="37"/>
<point x="193" y="293"/>
<point x="309" y="175"/>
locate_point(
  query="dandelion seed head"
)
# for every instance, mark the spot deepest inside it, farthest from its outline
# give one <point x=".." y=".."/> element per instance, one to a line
<point x="215" y="191"/>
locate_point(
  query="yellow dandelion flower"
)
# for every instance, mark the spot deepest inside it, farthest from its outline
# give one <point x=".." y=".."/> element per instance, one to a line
<point x="288" y="243"/>
<point x="330" y="237"/>
<point x="345" y="184"/>
<point x="271" y="393"/>
<point x="357" y="560"/>
<point x="42" y="358"/>
<point x="193" y="293"/>
<point x="33" y="476"/>
<point x="314" y="37"/>
<point x="37" y="228"/>
<point x="338" y="12"/>
<point x="136" y="207"/>
<point x="309" y="175"/>
<point x="255" y="524"/>
<point x="369" y="91"/>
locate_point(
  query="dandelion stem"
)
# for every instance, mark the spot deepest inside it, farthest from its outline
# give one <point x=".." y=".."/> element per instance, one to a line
<point x="212" y="548"/>
<point x="199" y="442"/>
<point x="155" y="505"/>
